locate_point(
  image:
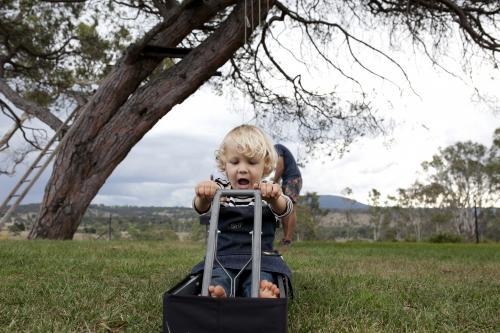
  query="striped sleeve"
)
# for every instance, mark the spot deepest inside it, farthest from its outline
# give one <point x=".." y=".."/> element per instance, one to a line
<point x="288" y="210"/>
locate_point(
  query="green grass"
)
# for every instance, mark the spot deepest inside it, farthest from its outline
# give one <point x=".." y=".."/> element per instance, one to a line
<point x="100" y="286"/>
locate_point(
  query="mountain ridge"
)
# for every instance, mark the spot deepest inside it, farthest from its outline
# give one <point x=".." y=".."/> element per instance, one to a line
<point x="326" y="201"/>
<point x="330" y="201"/>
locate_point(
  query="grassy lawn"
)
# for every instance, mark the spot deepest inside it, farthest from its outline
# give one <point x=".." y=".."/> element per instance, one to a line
<point x="100" y="286"/>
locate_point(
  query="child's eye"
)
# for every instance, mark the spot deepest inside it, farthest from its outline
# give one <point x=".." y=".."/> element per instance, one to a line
<point x="254" y="162"/>
<point x="233" y="161"/>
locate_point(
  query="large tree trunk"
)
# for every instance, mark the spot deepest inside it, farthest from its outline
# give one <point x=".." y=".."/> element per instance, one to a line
<point x="120" y="113"/>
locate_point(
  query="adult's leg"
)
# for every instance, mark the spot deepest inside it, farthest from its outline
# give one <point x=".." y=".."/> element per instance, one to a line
<point x="289" y="223"/>
<point x="292" y="189"/>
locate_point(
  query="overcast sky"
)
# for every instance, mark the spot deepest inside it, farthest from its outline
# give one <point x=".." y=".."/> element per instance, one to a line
<point x="178" y="152"/>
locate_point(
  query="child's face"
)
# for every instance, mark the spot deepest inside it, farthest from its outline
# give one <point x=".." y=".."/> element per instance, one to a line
<point x="241" y="170"/>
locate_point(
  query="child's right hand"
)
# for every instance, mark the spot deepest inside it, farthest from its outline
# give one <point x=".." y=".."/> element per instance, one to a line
<point x="205" y="190"/>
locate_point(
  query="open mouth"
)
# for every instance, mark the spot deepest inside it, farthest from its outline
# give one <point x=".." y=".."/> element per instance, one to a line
<point x="243" y="182"/>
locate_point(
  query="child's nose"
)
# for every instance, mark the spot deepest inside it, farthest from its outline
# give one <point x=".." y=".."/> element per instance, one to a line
<point x="242" y="169"/>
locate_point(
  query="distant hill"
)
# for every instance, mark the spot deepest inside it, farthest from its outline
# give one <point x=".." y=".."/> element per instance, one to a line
<point x="340" y="203"/>
<point x="325" y="201"/>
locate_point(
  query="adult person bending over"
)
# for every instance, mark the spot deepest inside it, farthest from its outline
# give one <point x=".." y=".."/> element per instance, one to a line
<point x="291" y="184"/>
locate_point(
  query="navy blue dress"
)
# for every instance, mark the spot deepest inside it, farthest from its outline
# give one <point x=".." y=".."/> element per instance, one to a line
<point x="234" y="244"/>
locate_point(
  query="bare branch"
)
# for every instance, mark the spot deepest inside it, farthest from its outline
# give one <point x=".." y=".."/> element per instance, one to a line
<point x="43" y="114"/>
<point x="471" y="17"/>
<point x="18" y="122"/>
<point x="317" y="22"/>
<point x="13" y="159"/>
<point x="4" y="141"/>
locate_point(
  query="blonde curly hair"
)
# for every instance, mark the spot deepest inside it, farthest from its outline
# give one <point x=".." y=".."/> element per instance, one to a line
<point x="251" y="142"/>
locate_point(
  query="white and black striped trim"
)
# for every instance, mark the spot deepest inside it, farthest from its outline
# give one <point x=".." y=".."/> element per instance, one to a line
<point x="245" y="201"/>
<point x="288" y="210"/>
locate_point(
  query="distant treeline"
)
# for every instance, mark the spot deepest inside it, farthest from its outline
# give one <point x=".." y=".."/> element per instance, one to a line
<point x="375" y="224"/>
<point x="393" y="223"/>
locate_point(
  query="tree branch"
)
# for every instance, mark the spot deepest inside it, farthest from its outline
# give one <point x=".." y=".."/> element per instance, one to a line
<point x="41" y="113"/>
<point x="164" y="7"/>
<point x="18" y="122"/>
<point x="4" y="141"/>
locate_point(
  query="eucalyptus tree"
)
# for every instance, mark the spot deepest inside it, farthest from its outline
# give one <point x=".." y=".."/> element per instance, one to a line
<point x="408" y="213"/>
<point x="49" y="61"/>
<point x="348" y="202"/>
<point x="113" y="60"/>
<point x="309" y="214"/>
<point x="376" y="212"/>
<point x="458" y="178"/>
<point x="493" y="167"/>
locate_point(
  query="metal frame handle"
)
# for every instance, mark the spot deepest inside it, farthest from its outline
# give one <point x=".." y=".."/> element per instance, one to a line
<point x="256" y="239"/>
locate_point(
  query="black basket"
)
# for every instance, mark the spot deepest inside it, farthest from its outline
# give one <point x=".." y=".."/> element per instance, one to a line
<point x="184" y="311"/>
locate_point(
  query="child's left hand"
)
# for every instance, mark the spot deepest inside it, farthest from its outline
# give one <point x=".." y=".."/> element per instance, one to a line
<point x="268" y="191"/>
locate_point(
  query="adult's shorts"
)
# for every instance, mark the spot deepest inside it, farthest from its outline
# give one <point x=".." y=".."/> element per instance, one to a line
<point x="291" y="187"/>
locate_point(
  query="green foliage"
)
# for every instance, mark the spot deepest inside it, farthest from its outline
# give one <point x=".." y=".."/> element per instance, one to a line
<point x="344" y="232"/>
<point x="379" y="215"/>
<point x="157" y="233"/>
<point x="493" y="165"/>
<point x="402" y="224"/>
<point x="308" y="214"/>
<point x="489" y="226"/>
<point x="89" y="230"/>
<point x="445" y="238"/>
<point x="198" y="232"/>
<point x="441" y="216"/>
<point x="458" y="175"/>
<point x="138" y="223"/>
<point x="52" y="49"/>
<point x="391" y="234"/>
<point x="307" y="227"/>
<point x="17" y="227"/>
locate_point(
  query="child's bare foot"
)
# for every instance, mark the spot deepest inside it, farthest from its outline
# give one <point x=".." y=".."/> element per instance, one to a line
<point x="268" y="290"/>
<point x="216" y="291"/>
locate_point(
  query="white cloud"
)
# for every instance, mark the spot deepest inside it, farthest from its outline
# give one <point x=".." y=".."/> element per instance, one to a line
<point x="444" y="116"/>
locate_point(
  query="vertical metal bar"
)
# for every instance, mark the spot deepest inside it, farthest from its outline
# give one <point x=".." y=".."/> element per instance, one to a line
<point x="256" y="244"/>
<point x="256" y="239"/>
<point x="210" y="254"/>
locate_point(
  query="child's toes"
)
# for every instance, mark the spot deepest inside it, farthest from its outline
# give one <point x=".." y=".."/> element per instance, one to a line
<point x="268" y="290"/>
<point x="216" y="291"/>
<point x="276" y="291"/>
<point x="264" y="284"/>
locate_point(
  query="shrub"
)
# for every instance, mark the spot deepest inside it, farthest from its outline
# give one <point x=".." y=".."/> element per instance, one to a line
<point x="89" y="230"/>
<point x="446" y="238"/>
<point x="158" y="233"/>
<point x="410" y="239"/>
<point x="17" y="227"/>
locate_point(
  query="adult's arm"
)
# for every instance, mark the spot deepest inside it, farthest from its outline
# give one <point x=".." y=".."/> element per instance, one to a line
<point x="280" y="166"/>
